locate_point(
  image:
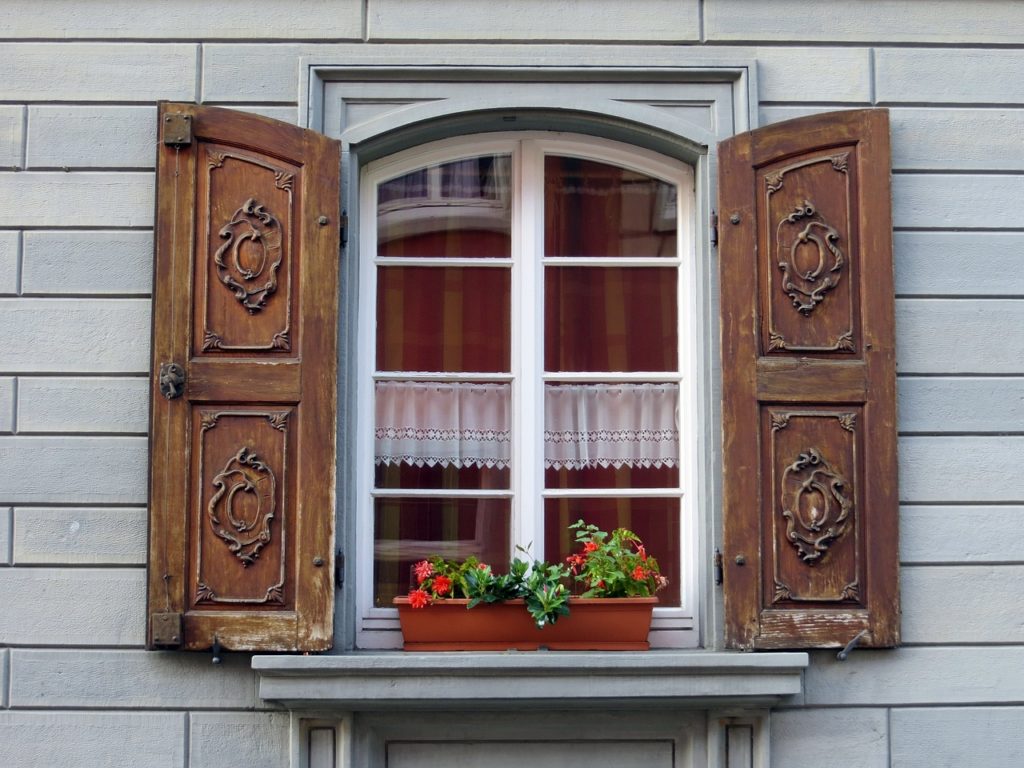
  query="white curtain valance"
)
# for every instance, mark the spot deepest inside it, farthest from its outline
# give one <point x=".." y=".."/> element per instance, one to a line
<point x="468" y="424"/>
<point x="601" y="425"/>
<point x="441" y="423"/>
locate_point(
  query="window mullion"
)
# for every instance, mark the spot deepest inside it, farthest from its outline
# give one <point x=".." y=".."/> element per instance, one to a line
<point x="527" y="323"/>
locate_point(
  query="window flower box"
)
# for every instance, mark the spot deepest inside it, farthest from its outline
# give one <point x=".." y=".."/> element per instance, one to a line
<point x="593" y="624"/>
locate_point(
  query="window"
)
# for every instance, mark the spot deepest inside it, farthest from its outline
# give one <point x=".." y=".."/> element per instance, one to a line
<point x="526" y="334"/>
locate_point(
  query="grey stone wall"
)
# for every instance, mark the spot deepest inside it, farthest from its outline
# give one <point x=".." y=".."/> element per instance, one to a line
<point x="77" y="140"/>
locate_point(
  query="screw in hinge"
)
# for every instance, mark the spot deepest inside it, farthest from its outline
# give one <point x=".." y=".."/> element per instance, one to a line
<point x="714" y="229"/>
<point x="718" y="567"/>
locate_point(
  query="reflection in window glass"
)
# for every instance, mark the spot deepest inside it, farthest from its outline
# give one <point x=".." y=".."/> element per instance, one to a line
<point x="445" y="319"/>
<point x="618" y="319"/>
<point x="460" y="209"/>
<point x="595" y="209"/>
<point x="655" y="521"/>
<point x="409" y="530"/>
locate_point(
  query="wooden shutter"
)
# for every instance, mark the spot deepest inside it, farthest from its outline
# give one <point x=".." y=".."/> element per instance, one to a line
<point x="242" y="454"/>
<point x="808" y="373"/>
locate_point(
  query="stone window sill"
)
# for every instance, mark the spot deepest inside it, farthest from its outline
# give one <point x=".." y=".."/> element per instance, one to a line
<point x="682" y="679"/>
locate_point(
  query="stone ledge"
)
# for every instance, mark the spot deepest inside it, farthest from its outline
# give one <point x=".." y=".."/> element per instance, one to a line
<point x="388" y="680"/>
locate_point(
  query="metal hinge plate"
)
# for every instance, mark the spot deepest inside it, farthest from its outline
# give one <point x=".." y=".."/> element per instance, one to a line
<point x="177" y="129"/>
<point x="166" y="628"/>
<point x="714" y="229"/>
<point x="339" y="569"/>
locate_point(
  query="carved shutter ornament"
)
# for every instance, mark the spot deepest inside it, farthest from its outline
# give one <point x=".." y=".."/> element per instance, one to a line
<point x="245" y="534"/>
<point x="807" y="287"/>
<point x="252" y="224"/>
<point x="815" y="504"/>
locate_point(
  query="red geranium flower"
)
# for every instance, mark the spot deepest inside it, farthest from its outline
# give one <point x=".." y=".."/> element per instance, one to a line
<point x="442" y="584"/>
<point x="419" y="599"/>
<point x="639" y="573"/>
<point x="590" y="546"/>
<point x="423" y="570"/>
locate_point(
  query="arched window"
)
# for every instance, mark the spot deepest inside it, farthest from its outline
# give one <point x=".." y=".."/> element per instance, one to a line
<point x="527" y="334"/>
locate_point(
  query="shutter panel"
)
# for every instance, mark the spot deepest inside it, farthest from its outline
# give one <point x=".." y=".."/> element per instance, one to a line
<point x="243" y="461"/>
<point x="808" y="370"/>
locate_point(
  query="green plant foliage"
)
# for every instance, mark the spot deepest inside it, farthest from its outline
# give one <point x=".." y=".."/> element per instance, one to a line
<point x="615" y="565"/>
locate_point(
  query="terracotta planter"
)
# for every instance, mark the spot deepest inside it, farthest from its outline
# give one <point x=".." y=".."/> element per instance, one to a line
<point x="593" y="624"/>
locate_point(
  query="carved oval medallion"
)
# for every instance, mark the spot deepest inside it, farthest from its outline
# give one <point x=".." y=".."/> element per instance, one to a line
<point x="243" y="506"/>
<point x="815" y="505"/>
<point x="809" y="257"/>
<point x="247" y="263"/>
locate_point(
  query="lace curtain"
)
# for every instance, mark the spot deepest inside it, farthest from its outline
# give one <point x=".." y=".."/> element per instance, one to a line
<point x="450" y="424"/>
<point x="601" y="425"/>
<point x="586" y="425"/>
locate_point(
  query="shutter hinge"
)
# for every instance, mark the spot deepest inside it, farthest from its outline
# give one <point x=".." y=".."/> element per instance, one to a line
<point x="339" y="569"/>
<point x="166" y="629"/>
<point x="177" y="129"/>
<point x="343" y="228"/>
<point x="714" y="229"/>
<point x="718" y="568"/>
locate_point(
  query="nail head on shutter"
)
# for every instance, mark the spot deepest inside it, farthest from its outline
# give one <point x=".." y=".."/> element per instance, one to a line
<point x="318" y="561"/>
<point x="322" y="221"/>
<point x="734" y="219"/>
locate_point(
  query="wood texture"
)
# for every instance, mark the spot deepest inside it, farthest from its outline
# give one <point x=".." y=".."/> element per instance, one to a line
<point x="98" y="606"/>
<point x="929" y="676"/>
<point x="185" y="19"/>
<point x="12" y="136"/>
<point x="6" y="403"/>
<point x="809" y="439"/>
<point x="96" y="739"/>
<point x="72" y="404"/>
<point x="253" y="739"/>
<point x="677" y="20"/>
<point x="10" y="258"/>
<point x="63" y="536"/>
<point x="98" y="71"/>
<point x="94" y="262"/>
<point x="127" y="678"/>
<point x="854" y="737"/>
<point x="242" y="480"/>
<point x="982" y="737"/>
<point x="981" y="21"/>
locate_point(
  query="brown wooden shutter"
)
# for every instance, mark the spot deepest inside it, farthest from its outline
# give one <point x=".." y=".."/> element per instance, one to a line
<point x="242" y="461"/>
<point x="808" y="370"/>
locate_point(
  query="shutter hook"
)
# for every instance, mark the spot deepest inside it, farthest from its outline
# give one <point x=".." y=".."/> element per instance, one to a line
<point x="216" y="650"/>
<point x="843" y="654"/>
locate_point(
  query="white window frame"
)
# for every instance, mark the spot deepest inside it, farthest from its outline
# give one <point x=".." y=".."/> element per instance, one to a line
<point x="672" y="627"/>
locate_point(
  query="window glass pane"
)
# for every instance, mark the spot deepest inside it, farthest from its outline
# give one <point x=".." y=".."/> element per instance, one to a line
<point x="443" y="319"/>
<point x="655" y="521"/>
<point x="459" y="209"/>
<point x="610" y="319"/>
<point x="408" y="530"/>
<point x="437" y="477"/>
<point x="595" y="209"/>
